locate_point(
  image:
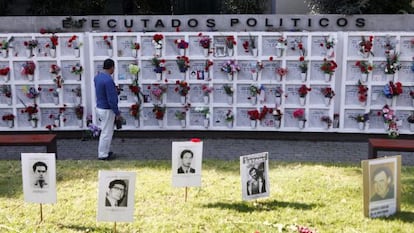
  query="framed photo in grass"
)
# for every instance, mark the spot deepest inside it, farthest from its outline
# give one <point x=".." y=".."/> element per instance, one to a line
<point x="39" y="177"/>
<point x="186" y="163"/>
<point x="254" y="170"/>
<point x="381" y="181"/>
<point x="116" y="196"/>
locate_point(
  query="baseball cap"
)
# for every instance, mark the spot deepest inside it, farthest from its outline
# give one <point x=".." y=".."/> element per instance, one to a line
<point x="108" y="63"/>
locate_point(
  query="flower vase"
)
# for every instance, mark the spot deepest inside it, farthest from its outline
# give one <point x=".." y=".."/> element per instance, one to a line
<point x="52" y="53"/>
<point x="327" y="101"/>
<point x="364" y="77"/>
<point x="10" y="124"/>
<point x="363" y="103"/>
<point x="62" y="120"/>
<point x="366" y="125"/>
<point x="134" y="53"/>
<point x="110" y="52"/>
<point x="205" y="52"/>
<point x="394" y="101"/>
<point x="412" y="127"/>
<point x="206" y="99"/>
<point x="206" y="122"/>
<point x="278" y="100"/>
<point x="254" y="76"/>
<point x="390" y="77"/>
<point x="33" y="123"/>
<point x="361" y="125"/>
<point x="229" y="100"/>
<point x="160" y="123"/>
<point x="302" y="100"/>
<point x="76" y="52"/>
<point x="388" y="101"/>
<point x="80" y="123"/>
<point x="412" y="102"/>
<point x="78" y="100"/>
<point x="9" y="101"/>
<point x="253" y="100"/>
<point x="183" y="100"/>
<point x="56" y="100"/>
<point x="79" y="77"/>
<point x="159" y="76"/>
<point x="277" y="124"/>
<point x="229" y="124"/>
<point x="301" y="124"/>
<point x="386" y="126"/>
<point x="29" y="53"/>
<point x="254" y="52"/>
<point x="253" y="124"/>
<point x="5" y="78"/>
<point x="56" y="123"/>
<point x="183" y="123"/>
<point x="330" y="52"/>
<point x="230" y="52"/>
<point x="328" y="77"/>
<point x="30" y="77"/>
<point x="230" y="76"/>
<point x="364" y="54"/>
<point x="158" y="52"/>
<point x="4" y="53"/>
<point x="303" y="77"/>
<point x="279" y="52"/>
<point x="136" y="121"/>
<point x="182" y="52"/>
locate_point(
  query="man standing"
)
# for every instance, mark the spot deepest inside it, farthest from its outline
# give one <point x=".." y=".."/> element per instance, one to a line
<point x="186" y="159"/>
<point x="256" y="183"/>
<point x="39" y="170"/>
<point x="107" y="110"/>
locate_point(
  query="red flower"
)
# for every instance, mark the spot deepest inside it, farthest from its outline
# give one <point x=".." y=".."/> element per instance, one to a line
<point x="253" y="114"/>
<point x="5" y="71"/>
<point x="303" y="90"/>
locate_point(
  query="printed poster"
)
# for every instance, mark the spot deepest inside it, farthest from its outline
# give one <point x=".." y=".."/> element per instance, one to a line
<point x="186" y="163"/>
<point x="254" y="170"/>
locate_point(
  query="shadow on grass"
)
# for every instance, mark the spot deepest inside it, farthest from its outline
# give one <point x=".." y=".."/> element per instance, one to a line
<point x="259" y="206"/>
<point x="402" y="216"/>
<point x="84" y="228"/>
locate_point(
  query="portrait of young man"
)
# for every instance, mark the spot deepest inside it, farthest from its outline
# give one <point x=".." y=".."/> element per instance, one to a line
<point x="186" y="159"/>
<point x="117" y="194"/>
<point x="40" y="175"/>
<point x="383" y="184"/>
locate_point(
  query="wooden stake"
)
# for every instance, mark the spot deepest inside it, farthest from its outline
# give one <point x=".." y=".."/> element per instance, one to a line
<point x="41" y="213"/>
<point x="114" y="227"/>
<point x="186" y="190"/>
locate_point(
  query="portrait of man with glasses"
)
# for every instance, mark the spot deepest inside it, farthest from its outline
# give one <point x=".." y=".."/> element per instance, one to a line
<point x="116" y="196"/>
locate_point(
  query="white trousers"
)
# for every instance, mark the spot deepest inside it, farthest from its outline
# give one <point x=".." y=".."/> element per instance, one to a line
<point x="105" y="120"/>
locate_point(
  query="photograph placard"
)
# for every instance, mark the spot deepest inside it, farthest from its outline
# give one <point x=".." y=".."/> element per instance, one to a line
<point x="116" y="196"/>
<point x="39" y="177"/>
<point x="254" y="170"/>
<point x="381" y="185"/>
<point x="186" y="163"/>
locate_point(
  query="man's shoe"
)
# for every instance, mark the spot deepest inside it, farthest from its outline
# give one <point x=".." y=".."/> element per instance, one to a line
<point x="110" y="156"/>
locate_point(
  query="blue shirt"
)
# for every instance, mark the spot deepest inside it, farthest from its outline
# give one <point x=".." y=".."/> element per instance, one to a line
<point x="106" y="92"/>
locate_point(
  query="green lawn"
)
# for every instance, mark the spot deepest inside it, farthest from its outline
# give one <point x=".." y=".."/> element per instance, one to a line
<point x="324" y="197"/>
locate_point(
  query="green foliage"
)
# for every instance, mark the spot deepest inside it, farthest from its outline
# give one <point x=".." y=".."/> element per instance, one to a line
<point x="243" y="6"/>
<point x="326" y="197"/>
<point x="349" y="7"/>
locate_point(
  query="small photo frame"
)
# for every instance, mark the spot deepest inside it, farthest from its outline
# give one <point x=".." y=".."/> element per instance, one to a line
<point x="186" y="164"/>
<point x="382" y="186"/>
<point x="116" y="196"/>
<point x="254" y="170"/>
<point x="39" y="177"/>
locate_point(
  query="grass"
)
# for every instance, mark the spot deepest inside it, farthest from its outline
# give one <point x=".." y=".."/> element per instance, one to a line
<point x="325" y="197"/>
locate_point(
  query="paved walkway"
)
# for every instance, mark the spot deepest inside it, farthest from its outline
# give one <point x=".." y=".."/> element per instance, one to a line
<point x="226" y="149"/>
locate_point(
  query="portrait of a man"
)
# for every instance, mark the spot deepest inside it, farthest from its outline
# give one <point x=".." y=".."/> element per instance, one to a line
<point x="116" y="196"/>
<point x="186" y="159"/>
<point x="256" y="182"/>
<point x="40" y="175"/>
<point x="382" y="184"/>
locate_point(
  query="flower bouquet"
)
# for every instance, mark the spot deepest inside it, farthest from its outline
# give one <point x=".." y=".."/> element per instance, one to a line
<point x="299" y="114"/>
<point x="180" y="115"/>
<point x="328" y="93"/>
<point x="5" y="45"/>
<point x="75" y="44"/>
<point x="157" y="43"/>
<point x="78" y="94"/>
<point x="134" y="110"/>
<point x="54" y="42"/>
<point x="159" y="66"/>
<point x="254" y="115"/>
<point x="230" y="43"/>
<point x="9" y="118"/>
<point x="303" y="66"/>
<point x="31" y="92"/>
<point x="278" y="95"/>
<point x="281" y="46"/>
<point x="391" y="65"/>
<point x="389" y="45"/>
<point x="387" y="114"/>
<point x="28" y="69"/>
<point x="77" y="69"/>
<point x="329" y="43"/>
<point x="183" y="63"/>
<point x="362" y="93"/>
<point x="327" y="120"/>
<point x="108" y="41"/>
<point x="298" y="44"/>
<point x="135" y="89"/>
<point x="205" y="111"/>
<point x="391" y="90"/>
<point x="328" y="68"/>
<point x="365" y="68"/>
<point x="159" y="111"/>
<point x="133" y="70"/>
<point x="365" y="46"/>
<point x="4" y="72"/>
<point x="182" y="45"/>
<point x="410" y="120"/>
<point x="31" y="113"/>
<point x="254" y="91"/>
<point x="182" y="88"/>
<point x="6" y="91"/>
<point x="277" y="116"/>
<point x="255" y="68"/>
<point x="135" y="46"/>
<point x="158" y="91"/>
<point x="362" y="119"/>
<point x="205" y="42"/>
<point x="79" y="110"/>
<point x="207" y="65"/>
<point x="250" y="45"/>
<point x="54" y="69"/>
<point x="281" y="72"/>
<point x="231" y="67"/>
<point x="30" y="45"/>
<point x="303" y="91"/>
<point x="206" y="92"/>
<point x="58" y="80"/>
